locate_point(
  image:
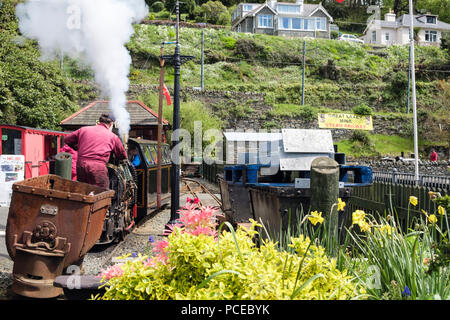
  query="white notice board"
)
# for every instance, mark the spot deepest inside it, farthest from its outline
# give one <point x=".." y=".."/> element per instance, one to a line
<point x="12" y="170"/>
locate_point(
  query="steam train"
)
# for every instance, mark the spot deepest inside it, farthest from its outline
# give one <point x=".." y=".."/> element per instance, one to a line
<point x="135" y="187"/>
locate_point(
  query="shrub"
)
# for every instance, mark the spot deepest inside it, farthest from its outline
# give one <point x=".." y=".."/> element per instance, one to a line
<point x="213" y="12"/>
<point x="157" y="6"/>
<point x="363" y="110"/>
<point x="228" y="42"/>
<point x="198" y="265"/>
<point x="361" y="136"/>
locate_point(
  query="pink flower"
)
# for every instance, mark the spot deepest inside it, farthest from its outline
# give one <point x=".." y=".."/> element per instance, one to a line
<point x="203" y="230"/>
<point x="112" y="272"/>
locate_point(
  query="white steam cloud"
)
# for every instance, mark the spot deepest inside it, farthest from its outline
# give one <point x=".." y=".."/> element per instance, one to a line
<point x="94" y="31"/>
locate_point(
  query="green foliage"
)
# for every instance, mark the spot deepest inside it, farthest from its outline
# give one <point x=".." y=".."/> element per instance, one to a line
<point x="190" y="112"/>
<point x="233" y="267"/>
<point x="32" y="92"/>
<point x="157" y="6"/>
<point x="397" y="261"/>
<point x="214" y="12"/>
<point x="305" y="112"/>
<point x="228" y="42"/>
<point x="363" y="110"/>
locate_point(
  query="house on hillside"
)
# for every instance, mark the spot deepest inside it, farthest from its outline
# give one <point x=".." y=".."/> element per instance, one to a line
<point x="394" y="30"/>
<point x="283" y="19"/>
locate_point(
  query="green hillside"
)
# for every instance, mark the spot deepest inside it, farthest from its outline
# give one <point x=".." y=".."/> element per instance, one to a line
<point x="249" y="80"/>
<point x="339" y="76"/>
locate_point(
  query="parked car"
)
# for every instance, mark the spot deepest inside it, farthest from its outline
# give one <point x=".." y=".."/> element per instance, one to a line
<point x="350" y="37"/>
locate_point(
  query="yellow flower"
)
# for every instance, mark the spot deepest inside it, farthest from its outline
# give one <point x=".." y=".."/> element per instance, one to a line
<point x="358" y="216"/>
<point x="441" y="210"/>
<point x="316" y="217"/>
<point x="364" y="226"/>
<point x="432" y="218"/>
<point x="341" y="205"/>
<point x="434" y="195"/>
<point x="386" y="229"/>
<point x="413" y="200"/>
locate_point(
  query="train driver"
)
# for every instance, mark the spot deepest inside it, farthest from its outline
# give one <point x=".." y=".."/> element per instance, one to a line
<point x="134" y="156"/>
<point x="95" y="144"/>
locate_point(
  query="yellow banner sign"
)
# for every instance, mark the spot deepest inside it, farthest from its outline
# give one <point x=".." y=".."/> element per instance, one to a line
<point x="345" y="121"/>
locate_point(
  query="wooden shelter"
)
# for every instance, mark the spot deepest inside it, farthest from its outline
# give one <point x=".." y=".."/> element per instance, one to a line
<point x="143" y="120"/>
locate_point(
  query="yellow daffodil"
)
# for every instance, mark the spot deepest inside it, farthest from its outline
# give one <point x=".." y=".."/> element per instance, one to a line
<point x="358" y="216"/>
<point x="386" y="229"/>
<point x="341" y="205"/>
<point x="364" y="226"/>
<point x="316" y="217"/>
<point x="413" y="200"/>
<point x="432" y="218"/>
<point x="441" y="210"/>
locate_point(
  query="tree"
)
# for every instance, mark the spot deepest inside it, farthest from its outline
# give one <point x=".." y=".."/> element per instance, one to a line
<point x="32" y="93"/>
<point x="186" y="6"/>
<point x="215" y="12"/>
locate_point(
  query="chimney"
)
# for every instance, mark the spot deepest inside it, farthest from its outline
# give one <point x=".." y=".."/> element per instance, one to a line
<point x="390" y="16"/>
<point x="273" y="4"/>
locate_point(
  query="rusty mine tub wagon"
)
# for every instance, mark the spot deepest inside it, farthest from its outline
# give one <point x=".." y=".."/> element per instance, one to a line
<point x="52" y="223"/>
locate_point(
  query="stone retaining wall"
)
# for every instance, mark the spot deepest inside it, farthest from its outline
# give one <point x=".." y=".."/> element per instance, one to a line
<point x="425" y="167"/>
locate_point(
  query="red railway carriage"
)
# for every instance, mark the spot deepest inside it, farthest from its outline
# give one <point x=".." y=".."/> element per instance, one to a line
<point x="39" y="146"/>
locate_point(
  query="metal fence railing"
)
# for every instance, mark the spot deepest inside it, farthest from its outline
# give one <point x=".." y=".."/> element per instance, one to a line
<point x="425" y="180"/>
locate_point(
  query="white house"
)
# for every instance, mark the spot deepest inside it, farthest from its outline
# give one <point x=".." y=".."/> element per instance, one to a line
<point x="282" y="18"/>
<point x="394" y="30"/>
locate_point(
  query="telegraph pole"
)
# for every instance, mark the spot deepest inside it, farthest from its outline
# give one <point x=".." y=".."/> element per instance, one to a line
<point x="202" y="73"/>
<point x="160" y="106"/>
<point x="303" y="72"/>
<point x="409" y="82"/>
<point x="413" y="85"/>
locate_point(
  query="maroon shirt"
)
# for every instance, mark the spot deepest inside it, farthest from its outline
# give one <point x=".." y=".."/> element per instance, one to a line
<point x="95" y="143"/>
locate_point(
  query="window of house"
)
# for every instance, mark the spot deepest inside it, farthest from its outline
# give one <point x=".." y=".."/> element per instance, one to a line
<point x="321" y="24"/>
<point x="247" y="7"/>
<point x="431" y="19"/>
<point x="284" y="22"/>
<point x="386" y="36"/>
<point x="285" y="8"/>
<point x="296" y="23"/>
<point x="374" y="36"/>
<point x="265" y="21"/>
<point x="309" y="24"/>
<point x="430" y="36"/>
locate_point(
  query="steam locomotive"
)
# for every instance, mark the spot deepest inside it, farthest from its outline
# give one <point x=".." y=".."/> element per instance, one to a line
<point x="135" y="187"/>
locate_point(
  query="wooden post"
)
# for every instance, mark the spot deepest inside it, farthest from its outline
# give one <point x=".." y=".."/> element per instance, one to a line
<point x="160" y="106"/>
<point x="325" y="192"/>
